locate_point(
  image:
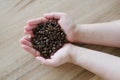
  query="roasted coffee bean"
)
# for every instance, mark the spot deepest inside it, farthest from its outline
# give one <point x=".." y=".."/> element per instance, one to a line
<point x="48" y="38"/>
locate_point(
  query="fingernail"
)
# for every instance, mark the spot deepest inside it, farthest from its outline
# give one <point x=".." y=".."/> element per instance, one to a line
<point x="21" y="40"/>
<point x="29" y="27"/>
<point x="23" y="46"/>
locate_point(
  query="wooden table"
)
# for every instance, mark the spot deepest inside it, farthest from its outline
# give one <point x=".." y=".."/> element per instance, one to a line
<point x="17" y="64"/>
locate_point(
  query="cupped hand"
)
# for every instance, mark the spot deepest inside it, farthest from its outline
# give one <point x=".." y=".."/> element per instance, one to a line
<point x="63" y="19"/>
<point x="62" y="56"/>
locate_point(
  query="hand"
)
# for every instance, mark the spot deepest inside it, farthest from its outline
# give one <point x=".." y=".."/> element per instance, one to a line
<point x="62" y="56"/>
<point x="63" y="19"/>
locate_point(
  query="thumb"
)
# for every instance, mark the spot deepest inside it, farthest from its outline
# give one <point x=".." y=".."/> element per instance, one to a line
<point x="56" y="60"/>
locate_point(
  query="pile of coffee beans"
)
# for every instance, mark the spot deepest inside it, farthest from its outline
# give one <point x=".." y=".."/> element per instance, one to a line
<point x="48" y="38"/>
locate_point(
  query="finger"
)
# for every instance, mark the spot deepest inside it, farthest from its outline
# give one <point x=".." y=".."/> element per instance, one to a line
<point x="26" y="42"/>
<point x="47" y="62"/>
<point x="27" y="38"/>
<point x="29" y="27"/>
<point x="29" y="32"/>
<point x="44" y="61"/>
<point x="31" y="50"/>
<point x="51" y="62"/>
<point x="56" y="15"/>
<point x="36" y="21"/>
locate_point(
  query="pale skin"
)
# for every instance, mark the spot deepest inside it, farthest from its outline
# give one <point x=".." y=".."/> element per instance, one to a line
<point x="104" y="65"/>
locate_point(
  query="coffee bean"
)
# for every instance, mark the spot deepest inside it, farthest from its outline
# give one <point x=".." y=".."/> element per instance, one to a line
<point x="48" y="38"/>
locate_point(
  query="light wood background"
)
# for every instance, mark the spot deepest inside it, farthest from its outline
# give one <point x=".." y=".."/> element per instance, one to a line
<point x="17" y="64"/>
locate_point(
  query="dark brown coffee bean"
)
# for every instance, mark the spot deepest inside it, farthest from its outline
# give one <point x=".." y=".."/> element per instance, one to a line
<point x="48" y="38"/>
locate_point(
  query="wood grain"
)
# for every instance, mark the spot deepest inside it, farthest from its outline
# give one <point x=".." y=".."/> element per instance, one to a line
<point x="16" y="64"/>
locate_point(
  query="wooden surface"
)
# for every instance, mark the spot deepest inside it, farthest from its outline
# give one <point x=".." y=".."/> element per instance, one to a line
<point x="17" y="64"/>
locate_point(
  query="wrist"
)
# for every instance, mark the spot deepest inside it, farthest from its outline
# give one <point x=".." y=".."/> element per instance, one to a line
<point x="74" y="53"/>
<point x="82" y="33"/>
<point x="72" y="33"/>
<point x="70" y="52"/>
<point x="78" y="54"/>
<point x="78" y="33"/>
